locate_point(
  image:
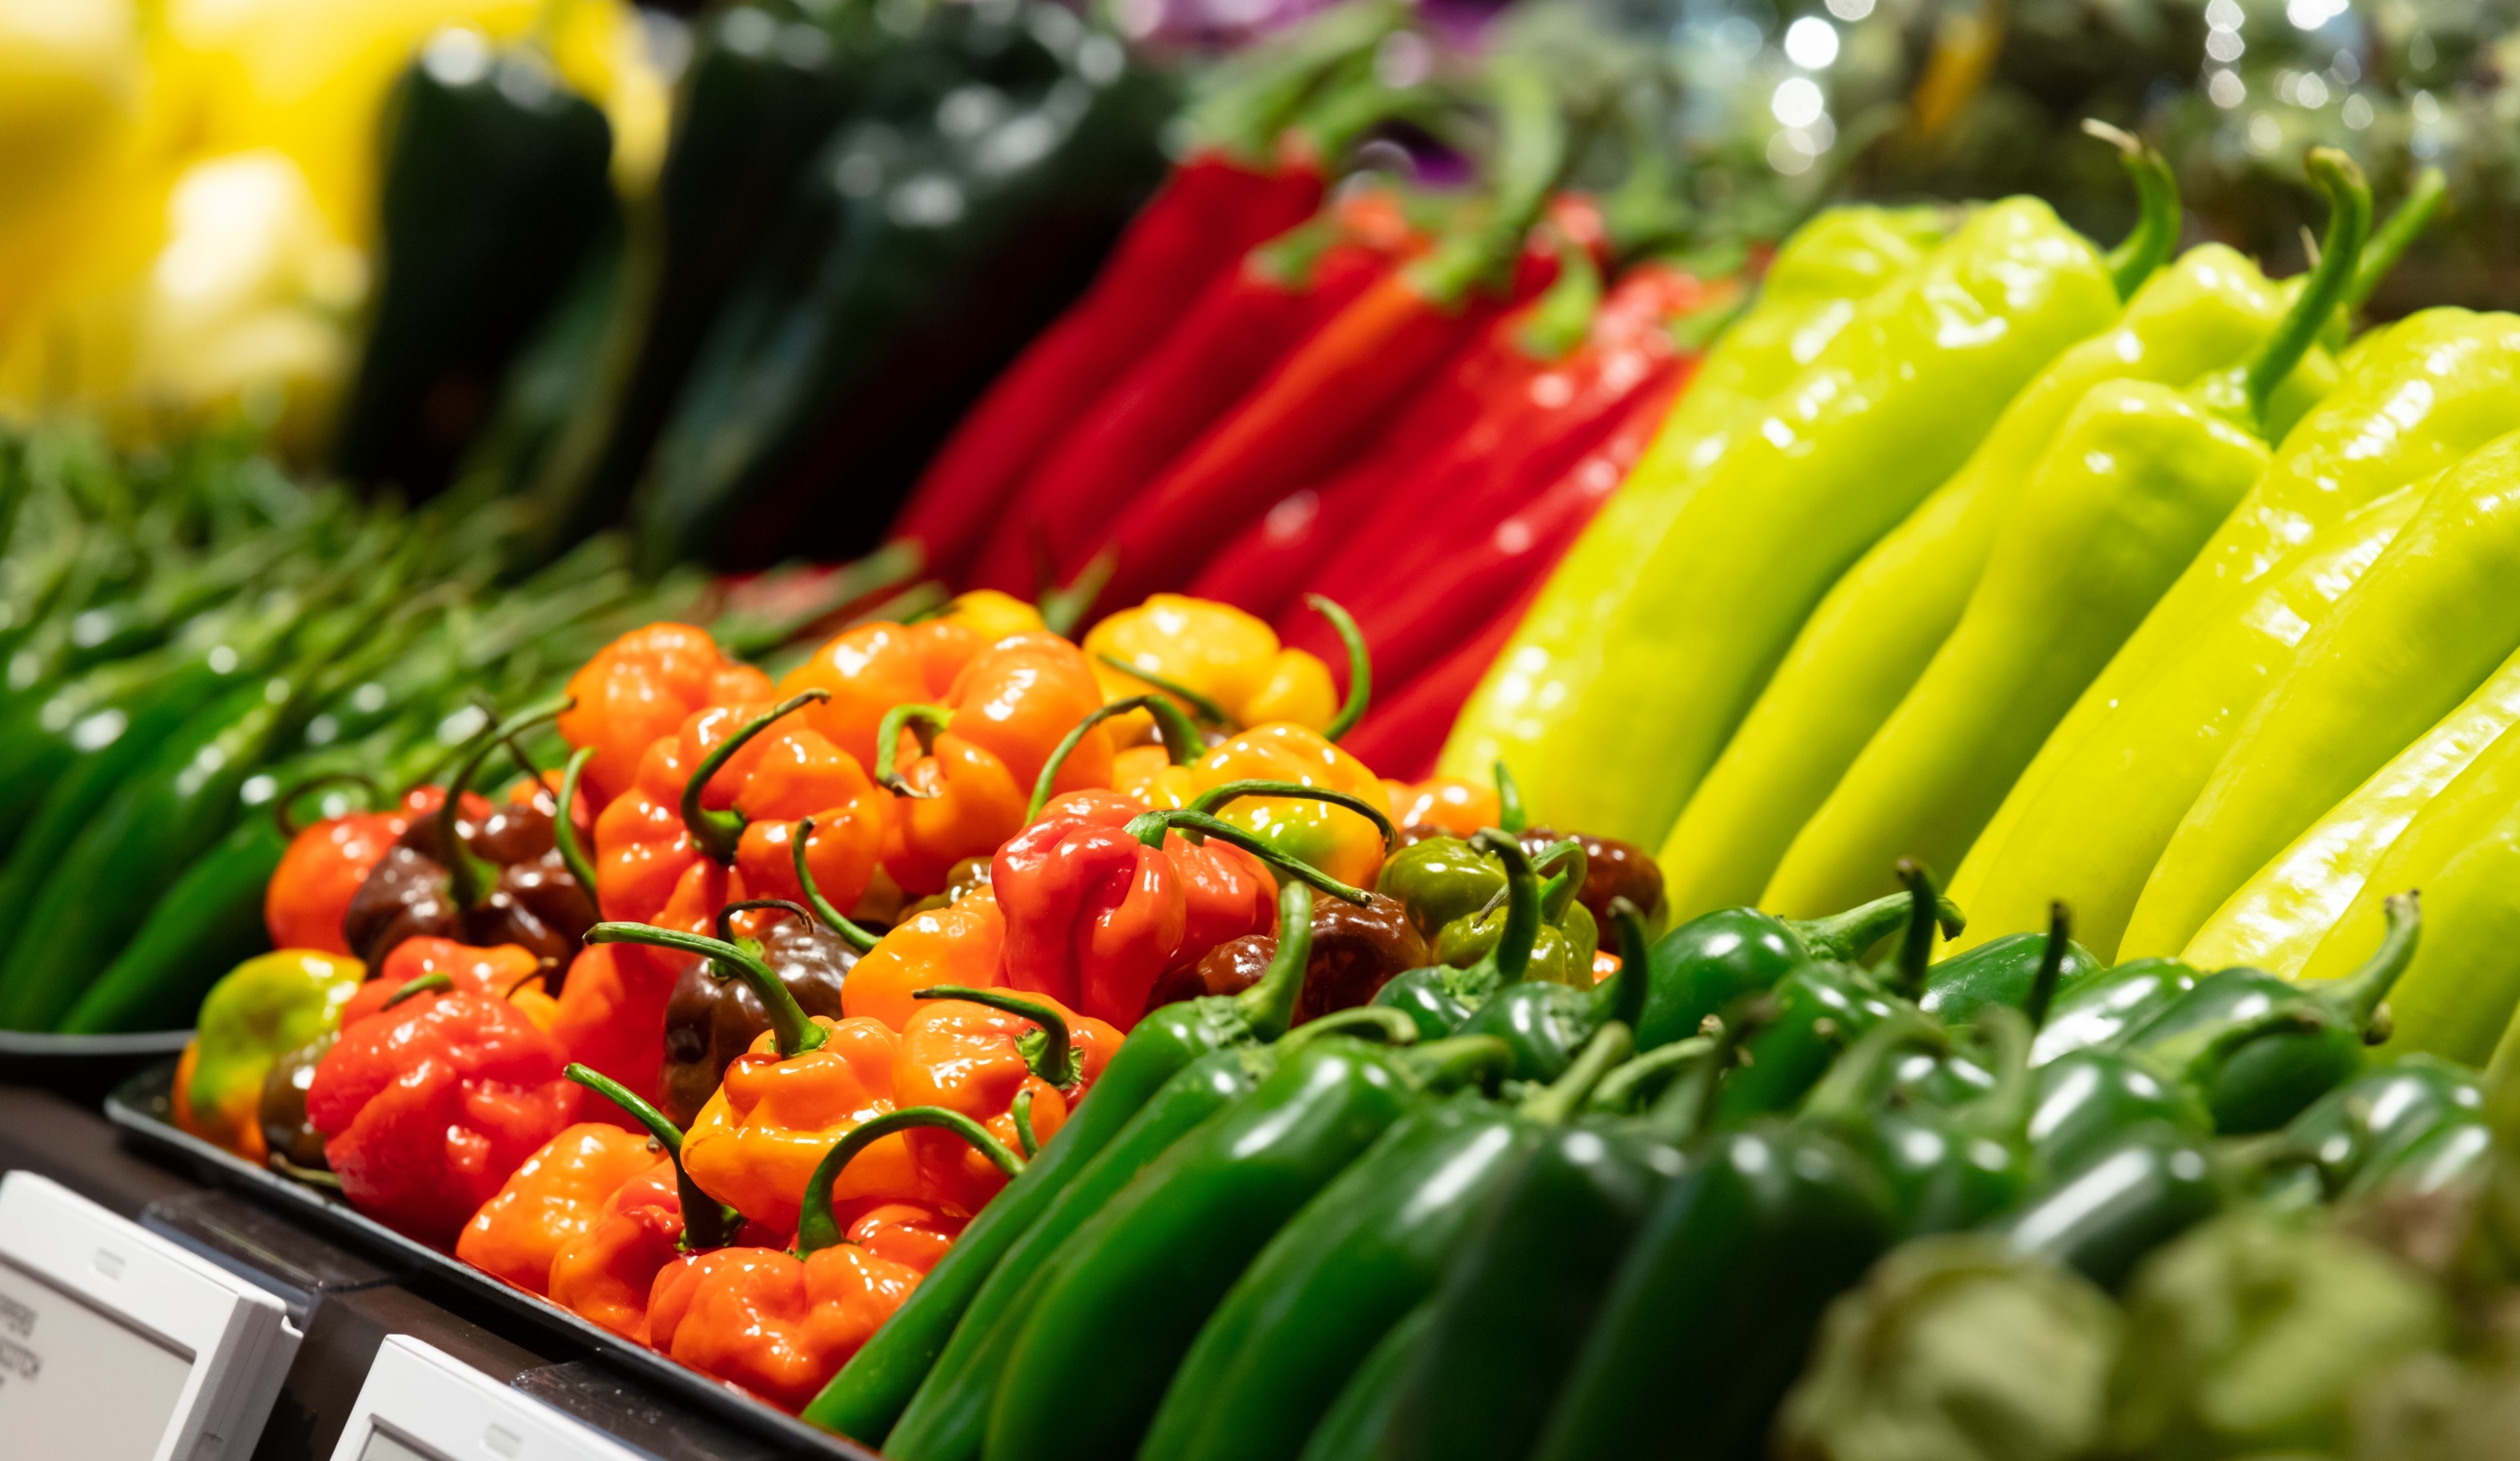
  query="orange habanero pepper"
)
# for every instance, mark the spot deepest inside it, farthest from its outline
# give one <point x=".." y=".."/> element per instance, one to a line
<point x="639" y="687"/>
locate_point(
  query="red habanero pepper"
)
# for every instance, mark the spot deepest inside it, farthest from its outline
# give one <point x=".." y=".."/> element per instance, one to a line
<point x="869" y="668"/>
<point x="1018" y="1064"/>
<point x="325" y="864"/>
<point x="708" y="820"/>
<point x="426" y="1107"/>
<point x="1103" y="899"/>
<point x="1241" y="325"/>
<point x="640" y="687"/>
<point x="1527" y="436"/>
<point x="507" y="972"/>
<point x="985" y="745"/>
<point x="1203" y="219"/>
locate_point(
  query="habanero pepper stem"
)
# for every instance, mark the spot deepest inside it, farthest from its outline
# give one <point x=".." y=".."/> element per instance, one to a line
<point x="2349" y="224"/>
<point x="849" y="930"/>
<point x="1214" y="797"/>
<point x="464" y="869"/>
<point x="717" y="834"/>
<point x="1200" y="706"/>
<point x="572" y="853"/>
<point x="1622" y="997"/>
<point x="2156" y="228"/>
<point x="725" y="916"/>
<point x="1181" y="739"/>
<point x="1150" y="830"/>
<point x="922" y="720"/>
<point x="796" y="1033"/>
<point x="2390" y="242"/>
<point x="1019" y="1110"/>
<point x="1054" y="1061"/>
<point x="1521" y="931"/>
<point x="706" y="1221"/>
<point x="816" y="1230"/>
<point x="2052" y="966"/>
<point x="425" y="983"/>
<point x="281" y="818"/>
<point x="1360" y="665"/>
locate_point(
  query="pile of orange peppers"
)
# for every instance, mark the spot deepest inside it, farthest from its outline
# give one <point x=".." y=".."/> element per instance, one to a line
<point x="1014" y="843"/>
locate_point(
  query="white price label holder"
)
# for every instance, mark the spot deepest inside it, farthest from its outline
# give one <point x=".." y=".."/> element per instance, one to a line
<point x="422" y="1404"/>
<point x="116" y="1345"/>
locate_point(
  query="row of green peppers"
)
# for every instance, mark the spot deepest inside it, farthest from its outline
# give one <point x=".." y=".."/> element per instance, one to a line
<point x="1341" y="1243"/>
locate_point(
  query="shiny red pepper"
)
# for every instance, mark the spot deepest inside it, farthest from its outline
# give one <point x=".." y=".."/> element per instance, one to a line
<point x="325" y="864"/>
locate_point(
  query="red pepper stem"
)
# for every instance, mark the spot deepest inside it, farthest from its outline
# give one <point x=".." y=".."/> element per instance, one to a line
<point x="425" y="983"/>
<point x="718" y="834"/>
<point x="1511" y="815"/>
<point x="1180" y="740"/>
<point x="2391" y="239"/>
<point x="2146" y="247"/>
<point x="816" y="1227"/>
<point x="1055" y="1060"/>
<point x="789" y="1025"/>
<point x="849" y="930"/>
<point x="281" y="816"/>
<point x="1360" y="665"/>
<point x="1200" y="706"/>
<point x="1555" y="1104"/>
<point x="572" y="853"/>
<point x="706" y="1221"/>
<point x="1150" y="830"/>
<point x="2052" y="966"/>
<point x="2349" y="224"/>
<point x="1622" y="996"/>
<point x="1917" y="945"/>
<point x="922" y="720"/>
<point x="1521" y="931"/>
<point x="1268" y="1006"/>
<point x="1206" y="803"/>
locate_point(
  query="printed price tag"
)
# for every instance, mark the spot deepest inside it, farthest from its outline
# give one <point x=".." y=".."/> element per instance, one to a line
<point x="420" y="1404"/>
<point x="116" y="1345"/>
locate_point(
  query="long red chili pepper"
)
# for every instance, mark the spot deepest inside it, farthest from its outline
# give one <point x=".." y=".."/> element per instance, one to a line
<point x="1240" y="324"/>
<point x="1404" y="734"/>
<point x="1322" y="402"/>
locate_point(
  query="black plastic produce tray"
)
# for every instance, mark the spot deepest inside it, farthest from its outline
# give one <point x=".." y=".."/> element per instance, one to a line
<point x="140" y="1105"/>
<point x="84" y="1067"/>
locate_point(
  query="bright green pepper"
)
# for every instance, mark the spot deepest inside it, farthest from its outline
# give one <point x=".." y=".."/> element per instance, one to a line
<point x="2352" y="1135"/>
<point x="257" y="1012"/>
<point x="1701" y="968"/>
<point x="1439" y="997"/>
<point x="1836" y="459"/>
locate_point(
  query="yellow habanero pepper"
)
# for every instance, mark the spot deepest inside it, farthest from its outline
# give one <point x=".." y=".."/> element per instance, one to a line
<point x="1222" y="665"/>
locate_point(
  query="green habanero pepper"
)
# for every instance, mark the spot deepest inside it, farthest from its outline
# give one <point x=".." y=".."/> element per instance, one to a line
<point x="1568" y="936"/>
<point x="1354" y="1262"/>
<point x="1547" y="1025"/>
<point x="1129" y="1291"/>
<point x="870" y="1392"/>
<point x="1440" y="996"/>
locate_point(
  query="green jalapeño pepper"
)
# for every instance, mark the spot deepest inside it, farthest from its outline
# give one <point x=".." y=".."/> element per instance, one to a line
<point x="867" y="1397"/>
<point x="2151" y="1184"/>
<point x="2260" y="1049"/>
<point x="2372" y="1121"/>
<point x="1949" y="1166"/>
<point x="1701" y="968"/>
<point x="1547" y="1025"/>
<point x="1129" y="1291"/>
<point x="2108" y="1004"/>
<point x="1356" y="1261"/>
<point x="1999" y="972"/>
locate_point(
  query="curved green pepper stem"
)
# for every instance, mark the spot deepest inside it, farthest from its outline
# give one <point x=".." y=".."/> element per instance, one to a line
<point x="1257" y="94"/>
<point x="1684" y="1110"/>
<point x="2356" y="1000"/>
<point x="1200" y="706"/>
<point x="1360" y="665"/>
<point x="2051" y="966"/>
<point x="1620" y="1090"/>
<point x="1149" y="830"/>
<point x="1268" y="1006"/>
<point x="1021" y="1111"/>
<point x="850" y="932"/>
<point x="1622" y="996"/>
<point x="1377" y="1023"/>
<point x="2146" y="248"/>
<point x="282" y="819"/>
<point x="1556" y="323"/>
<point x="1530" y="155"/>
<point x="1064" y="606"/>
<point x="467" y="875"/>
<point x="2349" y="223"/>
<point x="1846" y="1093"/>
<point x="1924" y="907"/>
<point x="425" y="983"/>
<point x="2003" y="1113"/>
<point x="1456" y="1061"/>
<point x="816" y="1227"/>
<point x="572" y="853"/>
<point x="726" y="919"/>
<point x="789" y="1026"/>
<point x="706" y="1221"/>
<point x="1845" y="936"/>
<point x="2390" y="240"/>
<point x="718" y="834"/>
<point x="922" y="720"/>
<point x="312" y="1176"/>
<point x="1571" y="867"/>
<point x="1556" y="1103"/>
<point x="1206" y="801"/>
<point x="1511" y="815"/>
<point x="1180" y="738"/>
<point x="1054" y="1058"/>
<point x="1521" y="931"/>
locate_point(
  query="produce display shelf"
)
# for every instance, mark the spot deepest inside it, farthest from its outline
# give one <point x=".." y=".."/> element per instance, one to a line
<point x="141" y="1106"/>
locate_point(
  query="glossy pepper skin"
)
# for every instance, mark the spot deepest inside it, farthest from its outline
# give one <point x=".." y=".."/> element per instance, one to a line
<point x="1547" y="1024"/>
<point x="1069" y="1180"/>
<point x="256" y="1013"/>
<point x="868" y="669"/>
<point x="985" y="744"/>
<point x="713" y="1017"/>
<point x="1132" y="1288"/>
<point x="1999" y="972"/>
<point x="551" y="1200"/>
<point x="1685" y="641"/>
<point x="1340" y="841"/>
<point x="2260" y="1049"/>
<point x="1949" y="1166"/>
<point x="2350" y="1137"/>
<point x="2428" y="392"/>
<point x="1356" y="951"/>
<point x="2105" y="1006"/>
<point x="1701" y="968"/>
<point x="606" y="1273"/>
<point x="1437" y="998"/>
<point x="507" y="972"/>
<point x="426" y="1107"/>
<point x="639" y="688"/>
<point x="322" y="871"/>
<point x="962" y="942"/>
<point x="1353" y="1263"/>
<point x="1715" y="1305"/>
<point x="988" y="1055"/>
<point x="2088" y="1100"/>
<point x="1233" y="660"/>
<point x="2149" y="1186"/>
